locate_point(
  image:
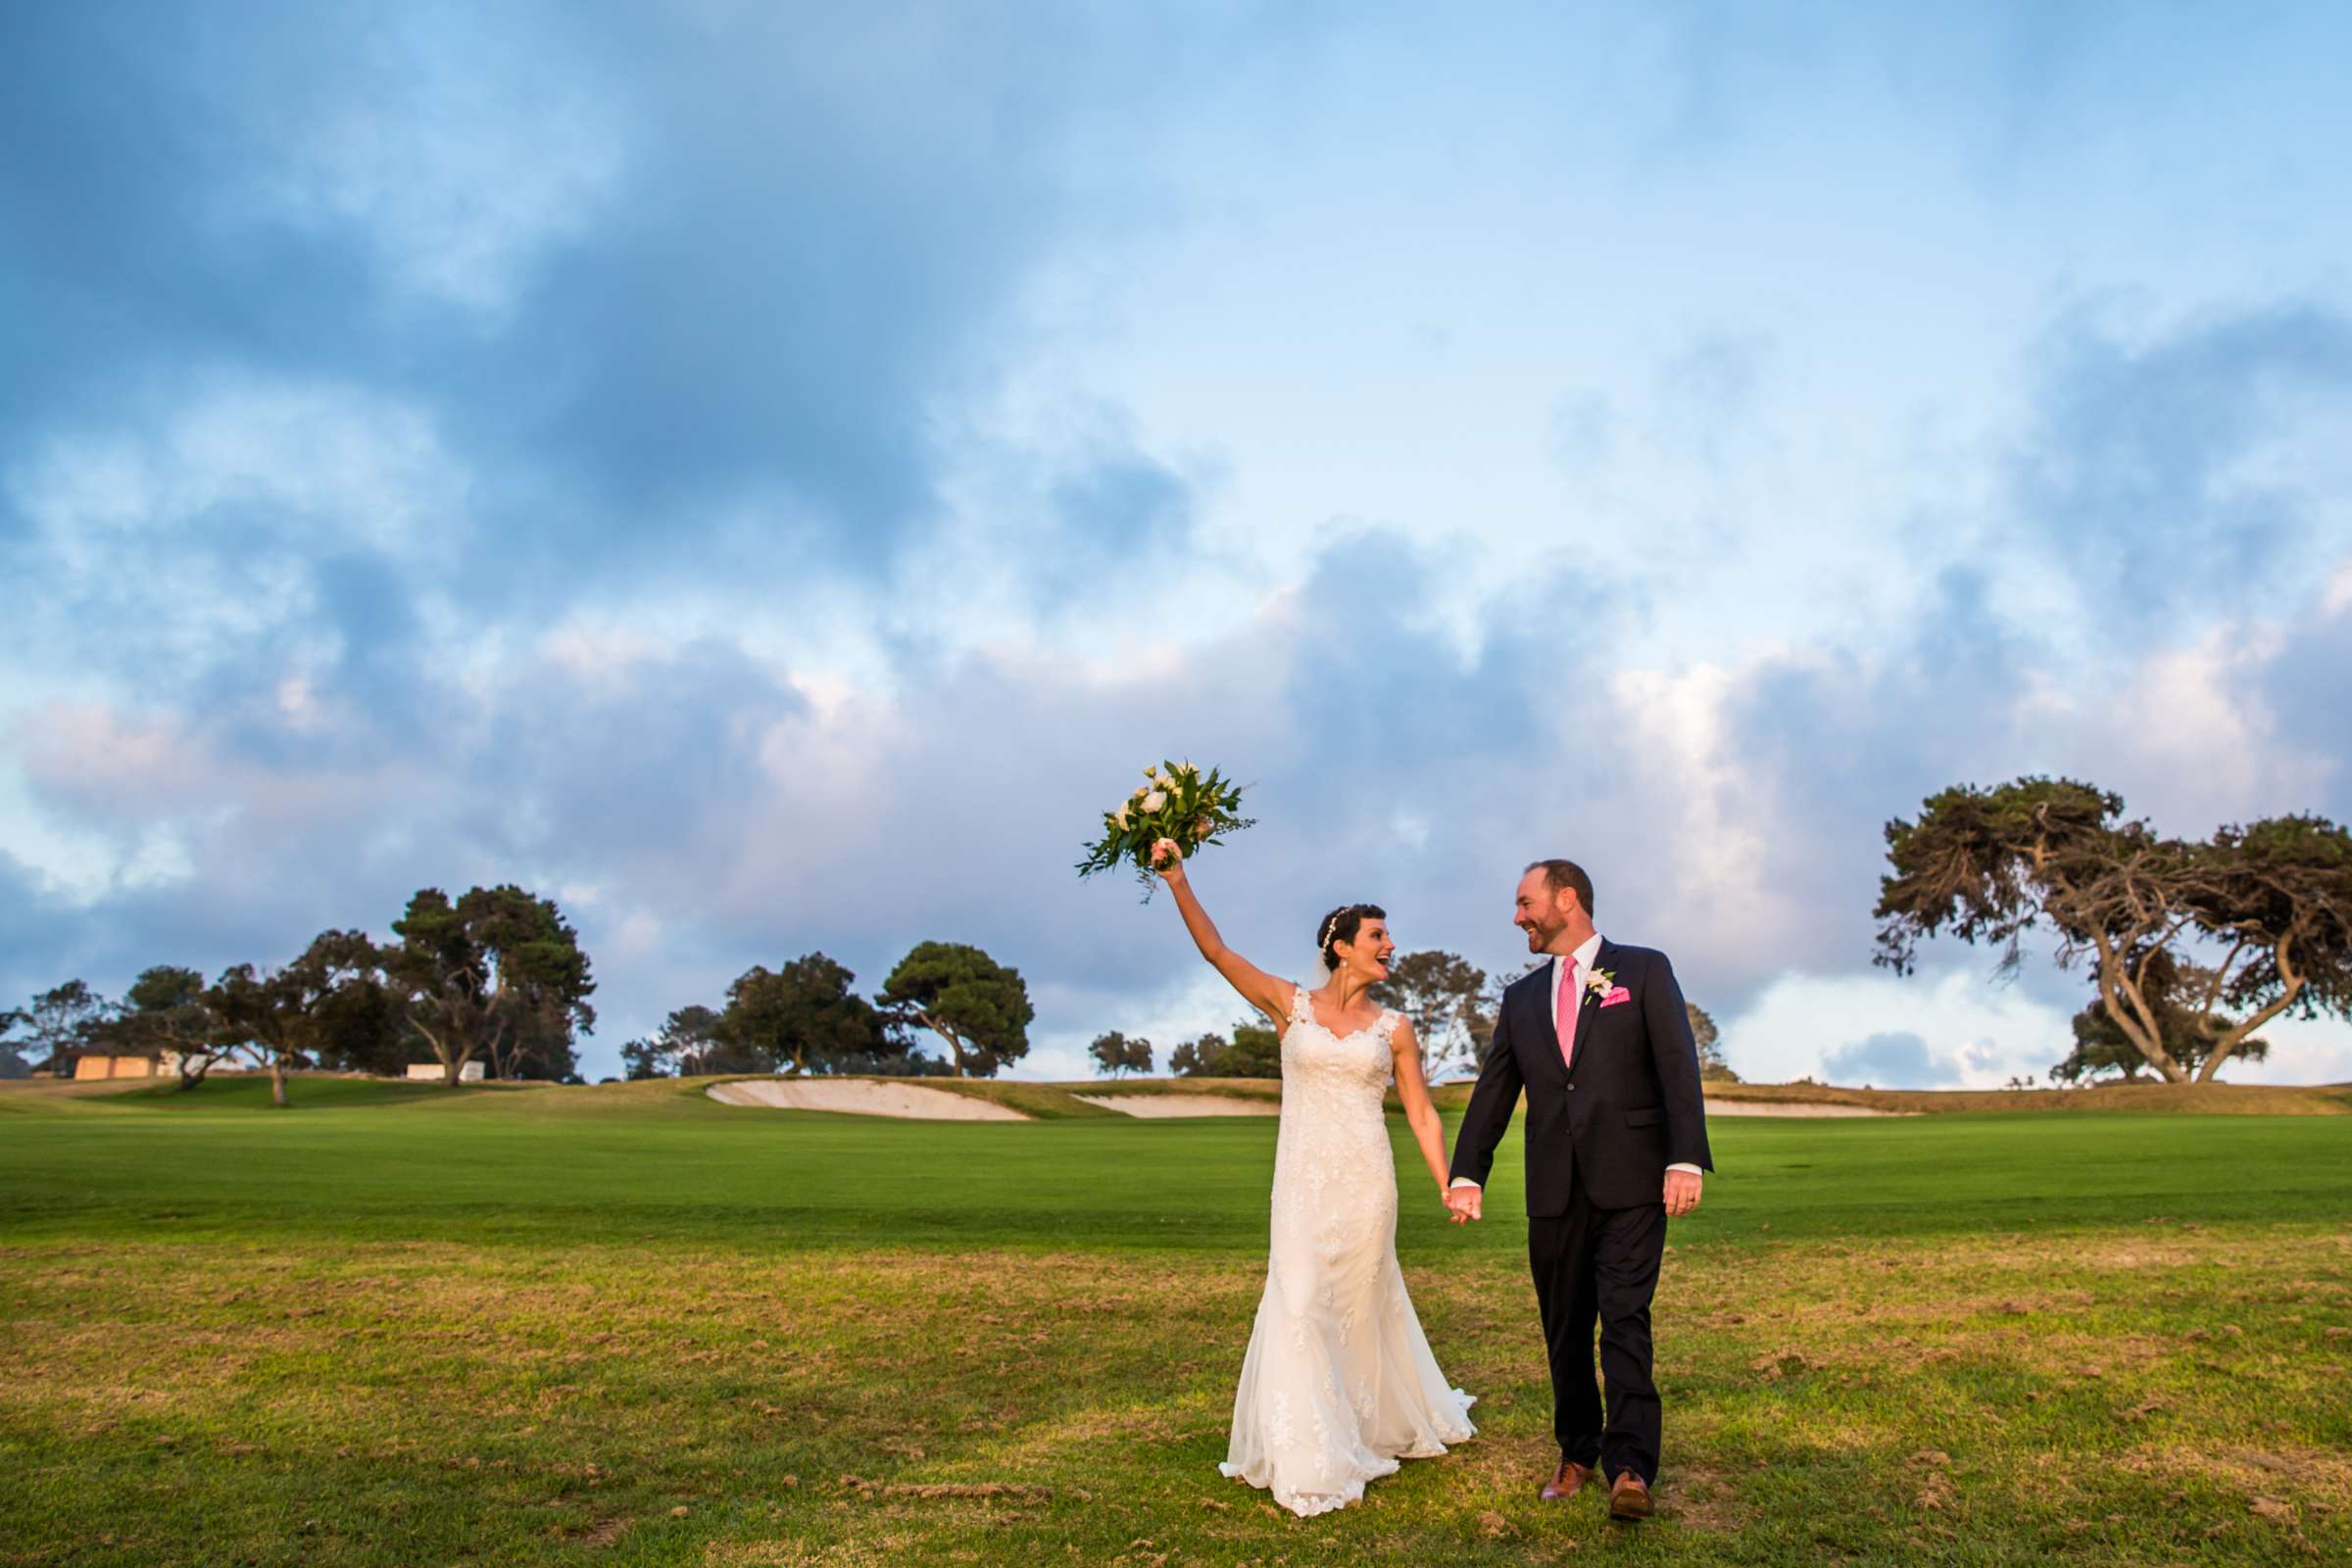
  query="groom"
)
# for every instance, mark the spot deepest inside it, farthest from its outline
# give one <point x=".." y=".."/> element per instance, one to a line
<point x="1616" y="1138"/>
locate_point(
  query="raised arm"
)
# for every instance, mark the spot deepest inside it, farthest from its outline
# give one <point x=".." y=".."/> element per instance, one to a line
<point x="1260" y="989"/>
<point x="1419" y="1113"/>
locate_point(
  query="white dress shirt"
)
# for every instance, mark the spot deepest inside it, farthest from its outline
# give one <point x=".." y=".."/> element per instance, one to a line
<point x="1582" y="957"/>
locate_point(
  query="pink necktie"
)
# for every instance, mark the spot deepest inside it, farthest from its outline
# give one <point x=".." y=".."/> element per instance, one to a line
<point x="1567" y="1011"/>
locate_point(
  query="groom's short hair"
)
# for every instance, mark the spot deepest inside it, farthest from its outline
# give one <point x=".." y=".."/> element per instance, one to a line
<point x="1558" y="874"/>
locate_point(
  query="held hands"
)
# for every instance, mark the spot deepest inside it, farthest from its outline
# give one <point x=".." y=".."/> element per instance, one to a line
<point x="1167" y="859"/>
<point x="1681" y="1196"/>
<point x="1682" y="1193"/>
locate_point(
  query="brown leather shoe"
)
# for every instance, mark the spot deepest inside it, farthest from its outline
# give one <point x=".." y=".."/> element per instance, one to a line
<point x="1567" y="1483"/>
<point x="1629" y="1498"/>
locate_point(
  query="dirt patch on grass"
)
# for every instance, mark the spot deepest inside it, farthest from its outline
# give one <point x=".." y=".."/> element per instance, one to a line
<point x="603" y="1533"/>
<point x="784" y="1554"/>
<point x="2319" y="1474"/>
<point x="1699" y="1499"/>
<point x="947" y="1491"/>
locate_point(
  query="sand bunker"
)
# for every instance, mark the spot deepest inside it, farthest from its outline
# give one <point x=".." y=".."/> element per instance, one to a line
<point x="1793" y="1107"/>
<point x="862" y="1099"/>
<point x="1183" y="1105"/>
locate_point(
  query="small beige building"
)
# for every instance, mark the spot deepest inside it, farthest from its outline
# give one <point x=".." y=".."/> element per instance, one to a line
<point x="433" y="1071"/>
<point x="93" y="1065"/>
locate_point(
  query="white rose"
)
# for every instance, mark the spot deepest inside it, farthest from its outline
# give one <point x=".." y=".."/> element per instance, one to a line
<point x="1123" y="819"/>
<point x="1155" y="800"/>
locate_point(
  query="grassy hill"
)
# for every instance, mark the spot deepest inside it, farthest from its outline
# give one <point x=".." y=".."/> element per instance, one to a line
<point x="628" y="1324"/>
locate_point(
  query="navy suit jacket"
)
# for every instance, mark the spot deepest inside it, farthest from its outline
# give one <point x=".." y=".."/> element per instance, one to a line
<point x="1628" y="1108"/>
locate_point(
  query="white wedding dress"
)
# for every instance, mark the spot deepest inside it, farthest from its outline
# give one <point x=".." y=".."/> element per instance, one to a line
<point x="1339" y="1383"/>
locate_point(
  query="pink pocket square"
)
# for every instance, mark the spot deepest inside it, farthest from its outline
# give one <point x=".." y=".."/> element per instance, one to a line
<point x="1616" y="995"/>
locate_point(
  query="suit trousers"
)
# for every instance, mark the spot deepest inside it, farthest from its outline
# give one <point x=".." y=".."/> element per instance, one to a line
<point x="1600" y="1263"/>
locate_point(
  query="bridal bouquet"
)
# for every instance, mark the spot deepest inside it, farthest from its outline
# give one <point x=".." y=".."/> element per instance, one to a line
<point x="1177" y="801"/>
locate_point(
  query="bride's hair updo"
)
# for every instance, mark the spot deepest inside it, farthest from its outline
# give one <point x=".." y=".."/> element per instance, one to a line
<point x="1341" y="925"/>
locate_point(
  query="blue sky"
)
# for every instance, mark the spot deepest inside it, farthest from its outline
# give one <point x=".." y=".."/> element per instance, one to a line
<point x="767" y="475"/>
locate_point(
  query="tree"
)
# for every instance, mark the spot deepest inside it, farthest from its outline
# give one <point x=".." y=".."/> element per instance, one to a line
<point x="2274" y="896"/>
<point x="344" y="1013"/>
<point x="12" y="1044"/>
<point x="803" y="1013"/>
<point x="1255" y="1052"/>
<point x="539" y="1046"/>
<point x="351" y="1016"/>
<point x="497" y="974"/>
<point x="331" y="1001"/>
<point x="165" y="1011"/>
<point x="1200" y="1058"/>
<point x="1115" y="1053"/>
<point x="690" y="1040"/>
<point x="159" y="990"/>
<point x="687" y="1042"/>
<point x="894" y="1059"/>
<point x="361" y="1028"/>
<point x="1712" y="1068"/>
<point x="1440" y="992"/>
<point x="60" y="1024"/>
<point x="260" y="1014"/>
<point x="1478" y="1020"/>
<point x="2280" y="893"/>
<point x="641" y="1059"/>
<point x="979" y="1006"/>
<point x="2101" y="1045"/>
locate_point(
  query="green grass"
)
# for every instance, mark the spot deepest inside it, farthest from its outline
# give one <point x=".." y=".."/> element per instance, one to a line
<point x="400" y="1324"/>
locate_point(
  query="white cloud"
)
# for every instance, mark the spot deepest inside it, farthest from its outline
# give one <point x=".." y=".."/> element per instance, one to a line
<point x="2194" y="728"/>
<point x="1988" y="1031"/>
<point x="462" y="158"/>
<point x="1193" y="1001"/>
<point x="638" y="935"/>
<point x="193" y="530"/>
<point x="597" y="653"/>
<point x="1966" y="1020"/>
<point x="299" y="454"/>
<point x="2303" y="1051"/>
<point x="1717" y="809"/>
<point x="2338" y="597"/>
<point x="73" y="863"/>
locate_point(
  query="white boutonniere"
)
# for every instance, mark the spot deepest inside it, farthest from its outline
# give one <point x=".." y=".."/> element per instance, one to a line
<point x="1600" y="983"/>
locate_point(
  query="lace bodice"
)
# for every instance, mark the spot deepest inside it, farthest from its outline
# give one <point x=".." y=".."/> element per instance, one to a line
<point x="1353" y="1066"/>
<point x="1332" y="1119"/>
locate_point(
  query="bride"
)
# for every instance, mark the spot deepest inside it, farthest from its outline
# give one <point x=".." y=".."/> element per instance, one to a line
<point x="1339" y="1383"/>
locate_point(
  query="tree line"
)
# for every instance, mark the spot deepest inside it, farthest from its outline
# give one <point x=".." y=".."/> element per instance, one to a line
<point x="495" y="977"/>
<point x="498" y="976"/>
<point x="2191" y="945"/>
<point x="1452" y="1002"/>
<point x="803" y="1017"/>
